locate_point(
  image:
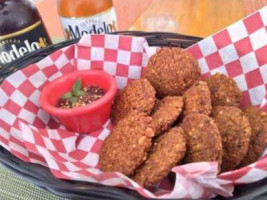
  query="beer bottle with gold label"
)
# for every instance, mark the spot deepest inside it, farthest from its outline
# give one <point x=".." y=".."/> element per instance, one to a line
<point x="21" y="30"/>
<point x="79" y="17"/>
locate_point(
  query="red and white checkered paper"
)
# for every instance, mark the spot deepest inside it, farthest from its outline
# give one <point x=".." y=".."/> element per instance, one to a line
<point x="32" y="135"/>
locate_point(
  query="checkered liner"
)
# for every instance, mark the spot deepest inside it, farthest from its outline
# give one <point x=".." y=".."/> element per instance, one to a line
<point x="32" y="135"/>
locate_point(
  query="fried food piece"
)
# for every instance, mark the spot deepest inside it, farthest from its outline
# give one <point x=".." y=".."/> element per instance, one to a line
<point x="127" y="145"/>
<point x="235" y="132"/>
<point x="224" y="91"/>
<point x="172" y="71"/>
<point x="167" y="111"/>
<point x="258" y="141"/>
<point x="168" y="150"/>
<point x="197" y="99"/>
<point x="203" y="139"/>
<point x="139" y="95"/>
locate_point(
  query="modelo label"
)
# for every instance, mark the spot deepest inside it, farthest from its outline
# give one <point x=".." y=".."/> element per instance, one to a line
<point x="105" y="22"/>
<point x="18" y="44"/>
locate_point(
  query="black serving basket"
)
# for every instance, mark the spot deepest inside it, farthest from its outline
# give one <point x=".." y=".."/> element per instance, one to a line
<point x="42" y="177"/>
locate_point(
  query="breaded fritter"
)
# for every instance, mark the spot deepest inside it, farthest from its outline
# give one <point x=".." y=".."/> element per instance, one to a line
<point x="167" y="151"/>
<point x="167" y="111"/>
<point x="224" y="91"/>
<point x="258" y="141"/>
<point x="172" y="71"/>
<point x="203" y="139"/>
<point x="235" y="132"/>
<point x="139" y="95"/>
<point x="197" y="99"/>
<point x="127" y="145"/>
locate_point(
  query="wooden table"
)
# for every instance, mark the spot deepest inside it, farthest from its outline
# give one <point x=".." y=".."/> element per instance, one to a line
<point x="127" y="11"/>
<point x="194" y="17"/>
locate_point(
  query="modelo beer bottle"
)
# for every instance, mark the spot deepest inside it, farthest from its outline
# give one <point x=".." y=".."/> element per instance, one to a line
<point x="21" y="30"/>
<point x="79" y="17"/>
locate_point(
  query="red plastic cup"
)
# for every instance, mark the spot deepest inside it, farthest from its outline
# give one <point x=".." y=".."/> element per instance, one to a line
<point x="87" y="118"/>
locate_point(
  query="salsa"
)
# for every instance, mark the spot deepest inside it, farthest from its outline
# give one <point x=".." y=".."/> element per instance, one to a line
<point x="80" y="96"/>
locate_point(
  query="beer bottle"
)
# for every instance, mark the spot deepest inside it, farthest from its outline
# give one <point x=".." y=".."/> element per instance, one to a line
<point x="21" y="30"/>
<point x="79" y="17"/>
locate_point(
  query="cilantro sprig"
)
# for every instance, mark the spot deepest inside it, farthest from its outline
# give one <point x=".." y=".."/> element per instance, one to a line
<point x="75" y="93"/>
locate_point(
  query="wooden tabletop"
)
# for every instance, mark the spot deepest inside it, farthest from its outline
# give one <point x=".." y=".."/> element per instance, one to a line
<point x="194" y="17"/>
<point x="127" y="12"/>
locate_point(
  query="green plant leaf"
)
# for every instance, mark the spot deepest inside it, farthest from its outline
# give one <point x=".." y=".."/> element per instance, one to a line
<point x="67" y="95"/>
<point x="79" y="93"/>
<point x="73" y="99"/>
<point x="76" y="86"/>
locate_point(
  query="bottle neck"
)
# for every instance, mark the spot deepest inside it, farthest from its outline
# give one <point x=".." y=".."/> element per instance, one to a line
<point x="16" y="15"/>
<point x="83" y="8"/>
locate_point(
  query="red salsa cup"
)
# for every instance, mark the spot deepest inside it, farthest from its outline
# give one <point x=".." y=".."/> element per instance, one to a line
<point x="83" y="119"/>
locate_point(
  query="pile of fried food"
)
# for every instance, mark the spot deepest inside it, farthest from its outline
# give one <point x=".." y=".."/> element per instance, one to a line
<point x="172" y="117"/>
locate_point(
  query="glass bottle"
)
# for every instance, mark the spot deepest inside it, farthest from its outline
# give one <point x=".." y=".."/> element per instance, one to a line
<point x="21" y="30"/>
<point x="79" y="17"/>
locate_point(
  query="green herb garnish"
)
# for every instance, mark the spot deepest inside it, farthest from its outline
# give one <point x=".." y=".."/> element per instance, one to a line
<point x="76" y="92"/>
